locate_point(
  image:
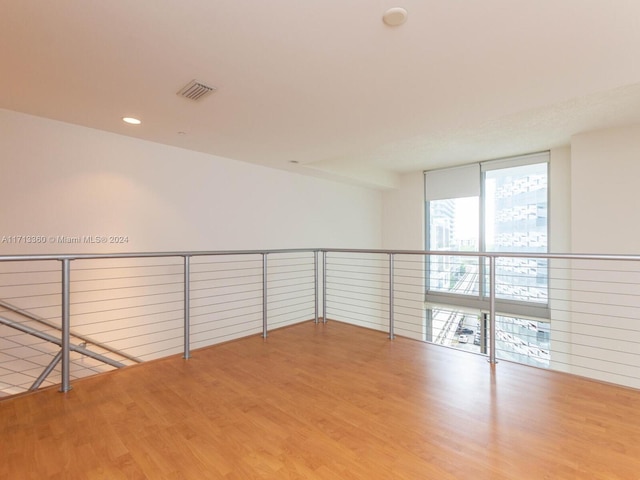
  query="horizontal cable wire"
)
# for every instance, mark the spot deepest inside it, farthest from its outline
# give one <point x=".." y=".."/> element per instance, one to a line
<point x="288" y="323"/>
<point x="379" y="282"/>
<point x="350" y="298"/>
<point x="218" y="279"/>
<point x="405" y="307"/>
<point x="129" y="317"/>
<point x="273" y="280"/>
<point x="232" y="316"/>
<point x="220" y="322"/>
<point x="338" y="306"/>
<point x="225" y="286"/>
<point x="224" y="310"/>
<point x="31" y="296"/>
<point x="358" y="292"/>
<point x="288" y="305"/>
<point x="92" y="290"/>
<point x="237" y="293"/>
<point x="195" y="271"/>
<point x="590" y="367"/>
<point x="234" y="334"/>
<point x="283" y="265"/>
<point x="129" y="327"/>
<point x="39" y="307"/>
<point x="131" y="277"/>
<point x="113" y="299"/>
<point x="226" y="302"/>
<point x="215" y="325"/>
<point x="57" y="282"/>
<point x="309" y="298"/>
<point x="116" y="267"/>
<point x="575" y="322"/>
<point x="144" y="335"/>
<point x="383" y="273"/>
<point x="271" y="294"/>
<point x="123" y="308"/>
<point x="228" y="287"/>
<point x="289" y="313"/>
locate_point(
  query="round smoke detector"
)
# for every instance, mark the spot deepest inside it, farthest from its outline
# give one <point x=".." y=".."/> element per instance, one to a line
<point x="395" y="16"/>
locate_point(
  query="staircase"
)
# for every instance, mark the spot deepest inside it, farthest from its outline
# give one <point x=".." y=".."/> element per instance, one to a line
<point x="30" y="349"/>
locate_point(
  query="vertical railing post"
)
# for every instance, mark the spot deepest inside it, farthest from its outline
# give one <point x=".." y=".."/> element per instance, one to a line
<point x="324" y="286"/>
<point x="264" y="295"/>
<point x="187" y="307"/>
<point x="315" y="283"/>
<point x="492" y="310"/>
<point x="391" y="334"/>
<point x="66" y="326"/>
<point x="428" y="312"/>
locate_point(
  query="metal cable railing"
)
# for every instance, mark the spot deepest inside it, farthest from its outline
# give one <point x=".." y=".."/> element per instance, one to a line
<point x="133" y="305"/>
<point x="84" y="340"/>
<point x="226" y="298"/>
<point x="291" y="288"/>
<point x="92" y="313"/>
<point x="35" y="287"/>
<point x="573" y="313"/>
<point x="357" y="288"/>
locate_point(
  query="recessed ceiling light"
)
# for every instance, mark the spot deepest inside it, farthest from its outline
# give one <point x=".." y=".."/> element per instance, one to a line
<point x="131" y="120"/>
<point x="395" y="16"/>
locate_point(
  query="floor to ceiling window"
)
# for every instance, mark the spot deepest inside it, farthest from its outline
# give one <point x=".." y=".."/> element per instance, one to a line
<point x="496" y="206"/>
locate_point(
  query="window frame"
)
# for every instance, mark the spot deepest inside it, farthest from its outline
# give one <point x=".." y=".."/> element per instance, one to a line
<point x="508" y="307"/>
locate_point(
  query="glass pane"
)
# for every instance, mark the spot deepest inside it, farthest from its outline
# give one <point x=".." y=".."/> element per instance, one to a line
<point x="455" y="328"/>
<point x="522" y="340"/>
<point x="453" y="226"/>
<point x="516" y="221"/>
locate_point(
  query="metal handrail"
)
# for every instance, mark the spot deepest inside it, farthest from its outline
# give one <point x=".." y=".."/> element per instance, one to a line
<point x="494" y="306"/>
<point x="84" y="338"/>
<point x="197" y="253"/>
<point x="560" y="256"/>
<point x="57" y="341"/>
<point x="60" y="355"/>
<point x="66" y="260"/>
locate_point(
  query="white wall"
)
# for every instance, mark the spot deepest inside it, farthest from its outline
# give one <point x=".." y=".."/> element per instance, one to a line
<point x="604" y="330"/>
<point x="403" y="229"/>
<point x="59" y="179"/>
<point x="403" y="214"/>
<point x="605" y="168"/>
<point x="559" y="270"/>
<point x="560" y="200"/>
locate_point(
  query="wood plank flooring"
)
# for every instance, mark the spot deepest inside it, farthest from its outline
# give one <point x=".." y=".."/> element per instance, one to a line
<point x="327" y="401"/>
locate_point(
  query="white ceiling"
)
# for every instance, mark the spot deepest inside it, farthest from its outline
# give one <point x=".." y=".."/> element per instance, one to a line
<point x="325" y="82"/>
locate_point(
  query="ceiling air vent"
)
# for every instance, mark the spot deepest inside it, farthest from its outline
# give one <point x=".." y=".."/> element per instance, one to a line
<point x="195" y="90"/>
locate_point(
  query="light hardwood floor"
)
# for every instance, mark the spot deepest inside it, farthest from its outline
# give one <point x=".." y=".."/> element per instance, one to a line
<point x="324" y="402"/>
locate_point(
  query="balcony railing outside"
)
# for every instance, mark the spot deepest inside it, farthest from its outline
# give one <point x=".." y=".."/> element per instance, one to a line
<point x="92" y="313"/>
